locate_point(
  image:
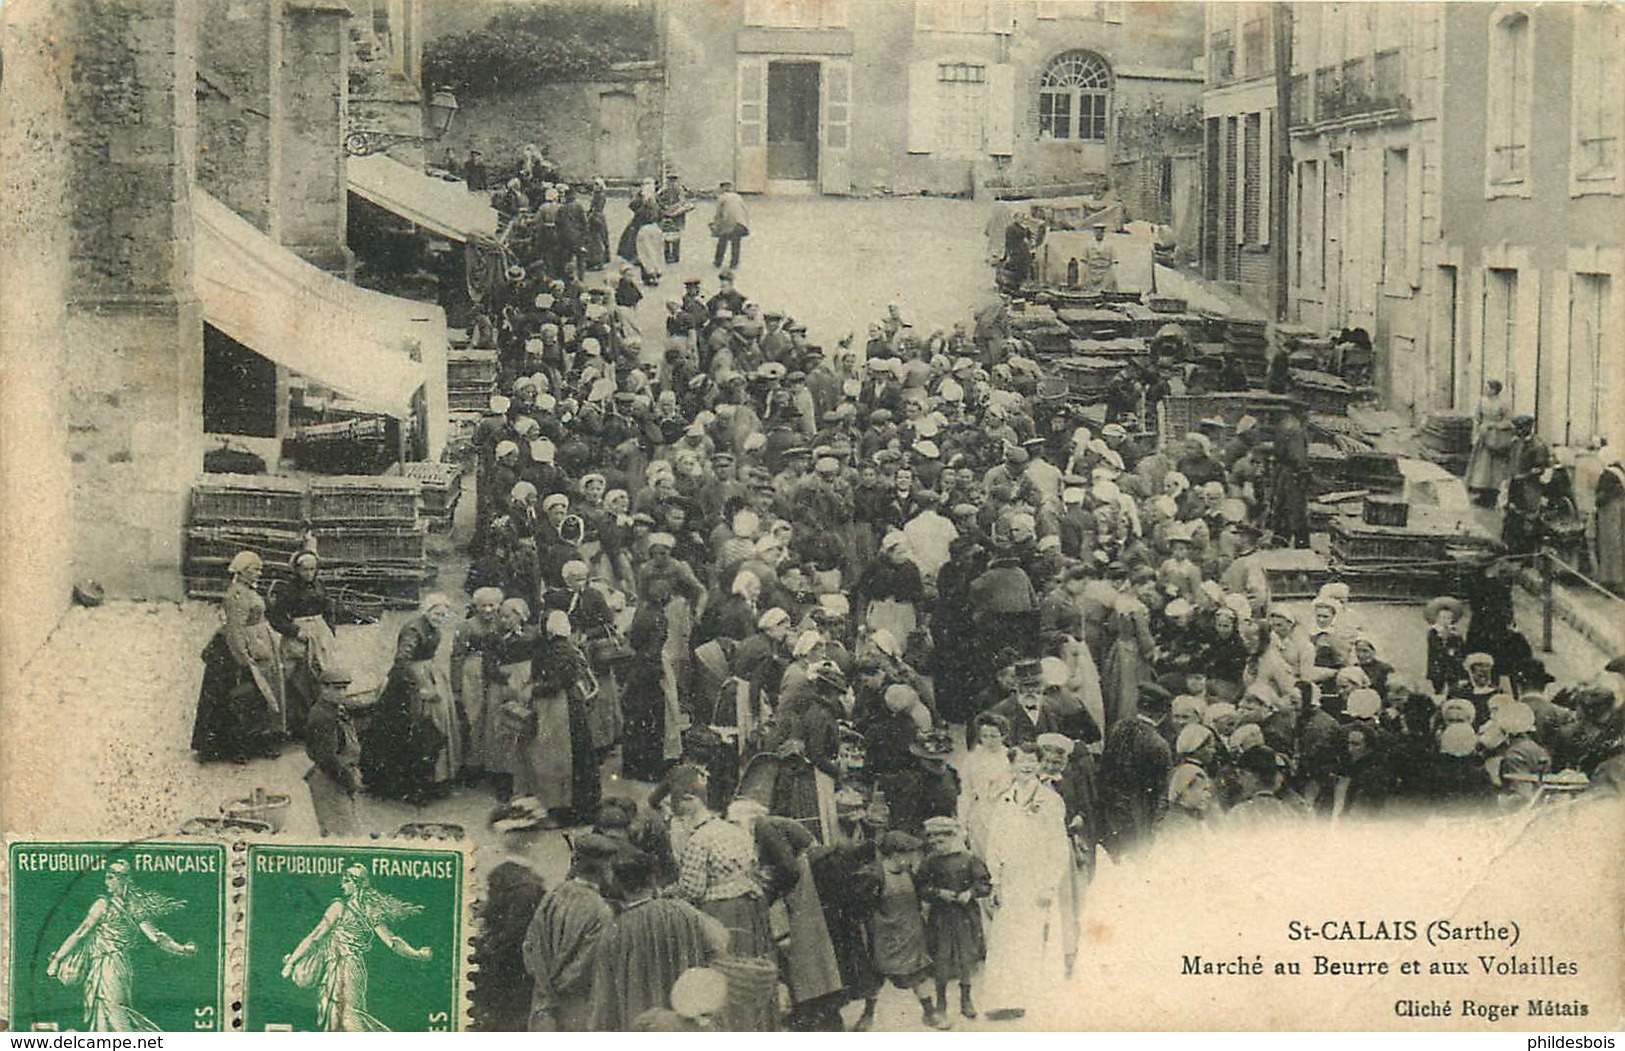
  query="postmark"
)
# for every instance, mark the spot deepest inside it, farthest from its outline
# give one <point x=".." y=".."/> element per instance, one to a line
<point x="358" y="938"/>
<point x="125" y="937"/>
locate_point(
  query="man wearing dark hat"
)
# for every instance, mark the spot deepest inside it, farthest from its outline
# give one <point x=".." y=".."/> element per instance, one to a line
<point x="1258" y="770"/>
<point x="1024" y="706"/>
<point x="335" y="750"/>
<point x="727" y="297"/>
<point x="563" y="936"/>
<point x="1134" y="774"/>
<point x="694" y="307"/>
<point x="1005" y="608"/>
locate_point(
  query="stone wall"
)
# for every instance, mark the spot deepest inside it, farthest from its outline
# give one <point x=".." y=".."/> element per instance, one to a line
<point x="36" y="525"/>
<point x="315" y="189"/>
<point x="132" y="396"/>
<point x="239" y="156"/>
<point x="563" y="119"/>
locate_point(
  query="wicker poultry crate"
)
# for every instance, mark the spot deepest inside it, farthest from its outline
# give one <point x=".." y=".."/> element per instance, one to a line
<point x="1357" y="541"/>
<point x="248" y="498"/>
<point x="1387" y="511"/>
<point x="364" y="498"/>
<point x="345" y="546"/>
<point x="224" y="542"/>
<point x="470" y="367"/>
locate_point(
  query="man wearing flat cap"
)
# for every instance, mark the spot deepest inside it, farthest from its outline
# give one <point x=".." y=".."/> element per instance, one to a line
<point x="335" y="752"/>
<point x="560" y="944"/>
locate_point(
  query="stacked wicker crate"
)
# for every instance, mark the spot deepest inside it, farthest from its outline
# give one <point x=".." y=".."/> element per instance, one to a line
<point x="441" y="488"/>
<point x="471" y="379"/>
<point x="1447" y="440"/>
<point x="236" y="512"/>
<point x="1396" y="551"/>
<point x="367" y="530"/>
<point x="370" y="535"/>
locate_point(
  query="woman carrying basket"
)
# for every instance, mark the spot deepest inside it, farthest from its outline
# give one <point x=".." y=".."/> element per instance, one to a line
<point x="302" y="613"/>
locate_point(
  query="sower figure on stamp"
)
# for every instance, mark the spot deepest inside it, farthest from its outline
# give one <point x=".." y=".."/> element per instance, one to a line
<point x="335" y="750"/>
<point x="98" y="951"/>
<point x="333" y="956"/>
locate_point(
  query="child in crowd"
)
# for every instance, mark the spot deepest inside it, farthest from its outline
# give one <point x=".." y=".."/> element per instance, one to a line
<point x="951" y="882"/>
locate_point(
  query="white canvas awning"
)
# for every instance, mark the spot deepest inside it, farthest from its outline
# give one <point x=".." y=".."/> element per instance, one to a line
<point x="444" y="208"/>
<point x="376" y="350"/>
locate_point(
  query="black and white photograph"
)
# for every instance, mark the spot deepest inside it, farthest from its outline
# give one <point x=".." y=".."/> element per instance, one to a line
<point x="851" y="515"/>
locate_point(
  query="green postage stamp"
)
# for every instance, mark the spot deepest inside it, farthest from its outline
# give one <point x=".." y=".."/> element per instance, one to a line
<point x="124" y="937"/>
<point x="353" y="938"/>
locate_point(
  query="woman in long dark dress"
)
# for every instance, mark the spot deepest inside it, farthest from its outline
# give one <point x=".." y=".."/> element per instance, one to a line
<point x="411" y="749"/>
<point x="643" y="697"/>
<point x="597" y="252"/>
<point x="636" y="246"/>
<point x="302" y="613"/>
<point x="240" y="705"/>
<point x="1289" y="489"/>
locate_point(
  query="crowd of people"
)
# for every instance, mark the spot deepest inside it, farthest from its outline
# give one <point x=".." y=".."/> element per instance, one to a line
<point x="901" y="645"/>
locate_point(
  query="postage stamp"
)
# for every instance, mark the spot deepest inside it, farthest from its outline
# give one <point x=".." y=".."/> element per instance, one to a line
<point x="117" y="937"/>
<point x="355" y="938"/>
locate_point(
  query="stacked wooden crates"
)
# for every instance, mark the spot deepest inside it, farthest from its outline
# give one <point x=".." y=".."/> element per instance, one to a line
<point x="241" y="512"/>
<point x="471" y="379"/>
<point x="370" y="535"/>
<point x="441" y="488"/>
<point x="367" y="530"/>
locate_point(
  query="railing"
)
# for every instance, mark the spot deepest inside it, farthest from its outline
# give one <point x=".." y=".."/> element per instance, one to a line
<point x="1359" y="88"/>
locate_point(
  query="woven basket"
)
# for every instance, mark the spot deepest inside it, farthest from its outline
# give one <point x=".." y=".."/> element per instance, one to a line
<point x="268" y="807"/>
<point x="753" y="985"/>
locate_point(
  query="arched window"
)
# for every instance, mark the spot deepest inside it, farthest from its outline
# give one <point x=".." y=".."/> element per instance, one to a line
<point x="1074" y="98"/>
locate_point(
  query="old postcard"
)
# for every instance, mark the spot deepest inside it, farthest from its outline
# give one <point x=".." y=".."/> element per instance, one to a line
<point x="811" y="515"/>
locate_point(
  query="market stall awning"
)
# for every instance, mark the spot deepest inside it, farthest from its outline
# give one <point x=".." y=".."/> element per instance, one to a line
<point x="374" y="349"/>
<point x="444" y="208"/>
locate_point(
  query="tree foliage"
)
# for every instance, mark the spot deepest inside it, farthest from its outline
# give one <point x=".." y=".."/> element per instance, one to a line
<point x="546" y="44"/>
<point x="1157" y="124"/>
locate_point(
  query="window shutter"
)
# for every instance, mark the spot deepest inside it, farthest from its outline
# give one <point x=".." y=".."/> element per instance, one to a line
<point x="1001" y="110"/>
<point x="1266" y="173"/>
<point x="922" y="106"/>
<point x="1001" y="16"/>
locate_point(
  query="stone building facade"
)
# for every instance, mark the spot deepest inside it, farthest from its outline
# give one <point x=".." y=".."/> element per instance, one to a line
<point x="1242" y="150"/>
<point x="943" y="96"/>
<point x="1366" y="195"/>
<point x="1527" y="280"/>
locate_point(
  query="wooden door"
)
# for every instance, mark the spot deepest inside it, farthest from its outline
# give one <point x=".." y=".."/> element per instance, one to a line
<point x="750" y="150"/>
<point x="618" y="134"/>
<point x="835" y="120"/>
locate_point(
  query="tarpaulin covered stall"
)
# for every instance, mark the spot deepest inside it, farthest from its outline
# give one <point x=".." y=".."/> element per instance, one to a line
<point x="378" y="351"/>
